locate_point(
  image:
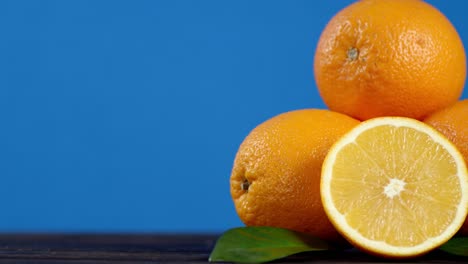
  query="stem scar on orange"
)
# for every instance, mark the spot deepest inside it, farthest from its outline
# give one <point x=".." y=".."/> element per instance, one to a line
<point x="389" y="58"/>
<point x="275" y="179"/>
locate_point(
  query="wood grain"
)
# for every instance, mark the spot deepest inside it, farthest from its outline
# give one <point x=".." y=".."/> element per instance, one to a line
<point x="155" y="248"/>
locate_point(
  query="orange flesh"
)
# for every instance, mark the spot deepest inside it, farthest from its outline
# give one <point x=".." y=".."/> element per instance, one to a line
<point x="392" y="188"/>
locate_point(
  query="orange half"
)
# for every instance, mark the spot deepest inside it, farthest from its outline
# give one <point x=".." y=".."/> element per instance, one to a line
<point x="395" y="187"/>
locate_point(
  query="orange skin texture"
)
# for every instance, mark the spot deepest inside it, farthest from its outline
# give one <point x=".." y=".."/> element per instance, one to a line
<point x="453" y="123"/>
<point x="389" y="58"/>
<point x="281" y="161"/>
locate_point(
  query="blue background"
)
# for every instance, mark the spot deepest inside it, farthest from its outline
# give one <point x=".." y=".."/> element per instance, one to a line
<point x="125" y="116"/>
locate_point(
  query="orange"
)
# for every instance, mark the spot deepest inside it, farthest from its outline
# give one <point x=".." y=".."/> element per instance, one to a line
<point x="389" y="58"/>
<point x="395" y="187"/>
<point x="453" y="123"/>
<point x="275" y="179"/>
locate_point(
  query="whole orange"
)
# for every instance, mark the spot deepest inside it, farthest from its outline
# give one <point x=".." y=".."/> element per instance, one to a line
<point x="275" y="179"/>
<point x="453" y="123"/>
<point x="389" y="58"/>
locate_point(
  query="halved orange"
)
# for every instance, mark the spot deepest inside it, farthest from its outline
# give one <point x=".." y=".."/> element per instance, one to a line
<point x="395" y="187"/>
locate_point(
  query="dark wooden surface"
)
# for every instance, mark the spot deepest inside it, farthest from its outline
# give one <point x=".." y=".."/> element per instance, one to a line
<point x="182" y="248"/>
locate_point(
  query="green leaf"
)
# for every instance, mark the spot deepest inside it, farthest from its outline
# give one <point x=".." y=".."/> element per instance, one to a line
<point x="456" y="246"/>
<point x="262" y="244"/>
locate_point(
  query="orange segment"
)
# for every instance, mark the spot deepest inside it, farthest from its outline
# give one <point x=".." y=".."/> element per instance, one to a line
<point x="395" y="187"/>
<point x="452" y="122"/>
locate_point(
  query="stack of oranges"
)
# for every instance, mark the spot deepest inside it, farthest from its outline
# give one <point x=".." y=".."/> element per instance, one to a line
<point x="385" y="166"/>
